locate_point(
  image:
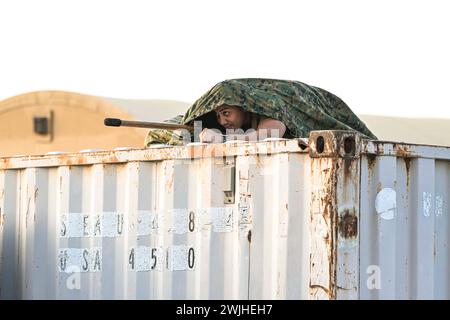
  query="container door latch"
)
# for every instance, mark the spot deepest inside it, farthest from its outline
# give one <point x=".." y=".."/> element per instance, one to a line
<point x="229" y="184"/>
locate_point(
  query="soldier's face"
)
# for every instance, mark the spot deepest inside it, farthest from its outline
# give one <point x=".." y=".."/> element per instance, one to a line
<point x="230" y="117"/>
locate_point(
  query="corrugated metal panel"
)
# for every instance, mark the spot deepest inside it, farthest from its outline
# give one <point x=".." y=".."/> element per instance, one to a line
<point x="344" y="219"/>
<point x="161" y="226"/>
<point x="272" y="186"/>
<point x="405" y="222"/>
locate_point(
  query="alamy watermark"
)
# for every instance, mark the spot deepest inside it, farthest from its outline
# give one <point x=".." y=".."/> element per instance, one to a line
<point x="220" y="146"/>
<point x="374" y="279"/>
<point x="73" y="281"/>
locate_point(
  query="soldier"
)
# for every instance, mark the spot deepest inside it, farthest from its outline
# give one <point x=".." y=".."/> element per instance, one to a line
<point x="287" y="108"/>
<point x="242" y="125"/>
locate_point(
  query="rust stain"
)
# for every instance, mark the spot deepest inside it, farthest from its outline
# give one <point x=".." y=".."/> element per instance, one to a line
<point x="332" y="251"/>
<point x="169" y="180"/>
<point x="402" y="151"/>
<point x="348" y="225"/>
<point x="327" y="199"/>
<point x="379" y="187"/>
<point x="327" y="178"/>
<point x="346" y="289"/>
<point x="249" y="236"/>
<point x="4" y="162"/>
<point x="182" y="152"/>
<point x="347" y="169"/>
<point x="80" y="159"/>
<point x="371" y="160"/>
<point x="36" y="193"/>
<point x="169" y="184"/>
<point x="320" y="287"/>
<point x="408" y="166"/>
<point x="327" y="205"/>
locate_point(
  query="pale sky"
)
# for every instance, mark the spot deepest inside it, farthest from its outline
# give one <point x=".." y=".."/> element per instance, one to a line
<point x="383" y="57"/>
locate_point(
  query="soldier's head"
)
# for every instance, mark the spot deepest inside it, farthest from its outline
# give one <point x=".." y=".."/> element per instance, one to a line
<point x="231" y="117"/>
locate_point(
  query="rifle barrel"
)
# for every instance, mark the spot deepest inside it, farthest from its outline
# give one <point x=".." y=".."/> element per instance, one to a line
<point x="114" y="122"/>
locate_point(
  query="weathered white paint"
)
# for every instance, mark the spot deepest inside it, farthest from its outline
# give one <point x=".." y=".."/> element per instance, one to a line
<point x="386" y="203"/>
<point x="222" y="219"/>
<point x="109" y="224"/>
<point x="144" y="258"/>
<point x="147" y="222"/>
<point x="180" y="258"/>
<point x="74" y="225"/>
<point x="303" y="225"/>
<point x="439" y="205"/>
<point x="426" y="199"/>
<point x="105" y="224"/>
<point x="82" y="259"/>
<point x="180" y="220"/>
<point x="112" y="224"/>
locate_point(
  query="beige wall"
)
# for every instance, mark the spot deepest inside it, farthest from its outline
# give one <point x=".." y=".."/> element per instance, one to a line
<point x="77" y="124"/>
<point x="410" y="130"/>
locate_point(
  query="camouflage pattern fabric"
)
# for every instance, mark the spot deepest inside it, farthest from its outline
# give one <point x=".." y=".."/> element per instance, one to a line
<point x="164" y="136"/>
<point x="301" y="107"/>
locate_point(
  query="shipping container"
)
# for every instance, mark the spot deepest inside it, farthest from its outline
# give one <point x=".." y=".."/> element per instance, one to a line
<point x="329" y="217"/>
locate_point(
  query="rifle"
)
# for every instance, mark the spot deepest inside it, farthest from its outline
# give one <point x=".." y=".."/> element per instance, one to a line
<point x="114" y="122"/>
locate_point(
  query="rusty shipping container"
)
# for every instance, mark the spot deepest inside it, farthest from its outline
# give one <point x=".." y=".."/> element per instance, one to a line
<point x="336" y="217"/>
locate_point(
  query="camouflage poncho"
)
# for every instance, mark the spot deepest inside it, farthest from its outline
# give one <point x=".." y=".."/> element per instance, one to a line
<point x="302" y="108"/>
<point x="157" y="136"/>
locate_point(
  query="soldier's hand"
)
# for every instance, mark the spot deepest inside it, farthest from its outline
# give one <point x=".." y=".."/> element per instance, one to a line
<point x="211" y="136"/>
